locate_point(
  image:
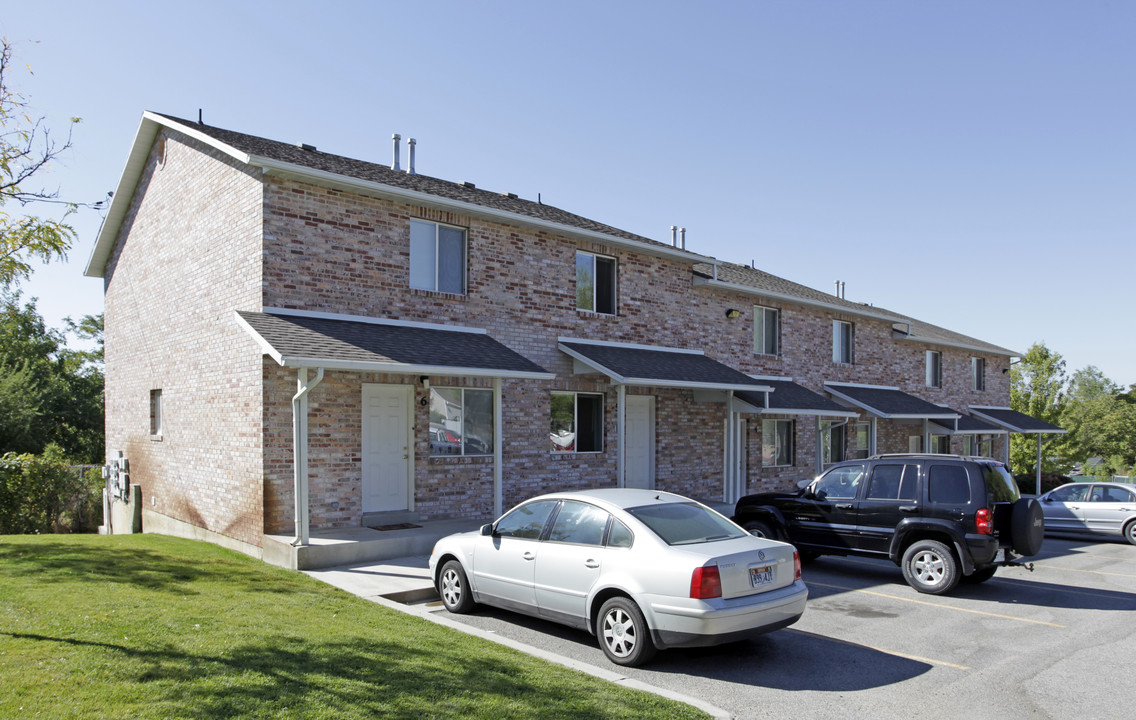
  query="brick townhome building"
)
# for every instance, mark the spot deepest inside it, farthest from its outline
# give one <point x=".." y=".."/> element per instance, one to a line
<point x="294" y="334"/>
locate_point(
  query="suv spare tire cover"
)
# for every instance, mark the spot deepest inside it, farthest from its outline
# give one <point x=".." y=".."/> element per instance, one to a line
<point x="1027" y="527"/>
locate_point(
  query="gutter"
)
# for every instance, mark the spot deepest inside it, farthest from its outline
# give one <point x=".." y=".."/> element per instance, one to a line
<point x="850" y="308"/>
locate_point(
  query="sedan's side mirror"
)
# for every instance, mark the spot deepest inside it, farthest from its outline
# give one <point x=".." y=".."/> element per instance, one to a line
<point x="487" y="529"/>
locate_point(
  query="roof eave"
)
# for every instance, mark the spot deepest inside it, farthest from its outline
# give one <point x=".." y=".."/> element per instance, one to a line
<point x="408" y="369"/>
<point x="989" y="349"/>
<point x="793" y="299"/>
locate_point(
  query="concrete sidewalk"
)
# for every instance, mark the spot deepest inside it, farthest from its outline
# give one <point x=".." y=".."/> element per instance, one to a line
<point x="404" y="584"/>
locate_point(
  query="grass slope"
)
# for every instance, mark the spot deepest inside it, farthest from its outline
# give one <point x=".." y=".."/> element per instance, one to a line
<point x="144" y="626"/>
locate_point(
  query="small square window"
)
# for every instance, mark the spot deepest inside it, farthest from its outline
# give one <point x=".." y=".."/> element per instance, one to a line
<point x="776" y="443"/>
<point x="595" y="283"/>
<point x="437" y="257"/>
<point x="461" y="422"/>
<point x="576" y="422"/>
<point x="766" y="330"/>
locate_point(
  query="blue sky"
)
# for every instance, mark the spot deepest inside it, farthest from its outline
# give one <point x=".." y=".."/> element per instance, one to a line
<point x="971" y="164"/>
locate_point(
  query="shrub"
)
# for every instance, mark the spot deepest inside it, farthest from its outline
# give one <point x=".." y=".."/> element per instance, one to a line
<point x="43" y="494"/>
<point x="1027" y="483"/>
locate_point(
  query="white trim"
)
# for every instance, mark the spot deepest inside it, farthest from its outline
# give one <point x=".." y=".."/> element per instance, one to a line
<point x="265" y="346"/>
<point x="849" y="309"/>
<point x="373" y="320"/>
<point x="656" y="382"/>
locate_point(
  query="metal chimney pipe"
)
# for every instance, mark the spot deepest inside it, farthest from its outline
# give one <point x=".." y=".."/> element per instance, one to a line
<point x="410" y="151"/>
<point x="682" y="237"/>
<point x="837" y="291"/>
<point x="396" y="137"/>
<point x="674" y="236"/>
<point x="841" y="289"/>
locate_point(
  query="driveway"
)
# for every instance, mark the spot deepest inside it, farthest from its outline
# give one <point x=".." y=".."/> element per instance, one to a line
<point x="1054" y="643"/>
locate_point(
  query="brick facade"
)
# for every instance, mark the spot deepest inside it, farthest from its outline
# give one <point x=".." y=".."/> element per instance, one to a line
<point x="207" y="235"/>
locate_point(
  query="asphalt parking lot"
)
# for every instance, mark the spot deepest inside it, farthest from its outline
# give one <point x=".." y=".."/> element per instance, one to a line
<point x="1054" y="643"/>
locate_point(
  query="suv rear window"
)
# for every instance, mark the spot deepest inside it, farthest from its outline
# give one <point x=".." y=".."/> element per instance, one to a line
<point x="1000" y="485"/>
<point x="948" y="484"/>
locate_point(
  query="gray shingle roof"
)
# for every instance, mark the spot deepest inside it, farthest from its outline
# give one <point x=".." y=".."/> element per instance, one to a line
<point x="970" y="425"/>
<point x="301" y="341"/>
<point x="659" y="366"/>
<point x="374" y="172"/>
<point x="1013" y="420"/>
<point x="888" y="402"/>
<point x="791" y="398"/>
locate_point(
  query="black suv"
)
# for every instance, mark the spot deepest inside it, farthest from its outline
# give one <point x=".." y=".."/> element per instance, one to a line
<point x="942" y="518"/>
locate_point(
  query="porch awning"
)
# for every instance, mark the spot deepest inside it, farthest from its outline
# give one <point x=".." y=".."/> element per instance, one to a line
<point x="1014" y="421"/>
<point x="345" y="342"/>
<point x="789" y="398"/>
<point x="889" y="403"/>
<point x="652" y="366"/>
<point x="970" y="425"/>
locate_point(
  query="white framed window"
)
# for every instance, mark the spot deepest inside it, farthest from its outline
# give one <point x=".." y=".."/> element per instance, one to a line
<point x="934" y="369"/>
<point x="863" y="440"/>
<point x="576" y="423"/>
<point x="155" y="413"/>
<point x="832" y="442"/>
<point x="776" y="443"/>
<point x="978" y="373"/>
<point x="595" y="283"/>
<point x="461" y="421"/>
<point x="980" y="445"/>
<point x="766" y="330"/>
<point x="437" y="257"/>
<point x="842" y="336"/>
<point x="941" y="444"/>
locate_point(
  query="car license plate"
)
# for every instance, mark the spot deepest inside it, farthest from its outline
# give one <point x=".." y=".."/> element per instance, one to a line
<point x="759" y="576"/>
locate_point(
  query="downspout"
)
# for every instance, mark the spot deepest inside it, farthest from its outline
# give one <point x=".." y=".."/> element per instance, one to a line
<point x="621" y="422"/>
<point x="729" y="481"/>
<point x="300" y="451"/>
<point x="497" y="451"/>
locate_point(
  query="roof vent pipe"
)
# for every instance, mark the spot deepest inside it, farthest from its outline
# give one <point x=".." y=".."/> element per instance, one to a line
<point x="841" y="289"/>
<point x="836" y="292"/>
<point x="674" y="236"/>
<point x="682" y="237"/>
<point x="410" y="160"/>
<point x="394" y="165"/>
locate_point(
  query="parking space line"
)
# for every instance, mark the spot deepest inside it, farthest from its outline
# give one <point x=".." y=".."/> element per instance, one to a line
<point x="1091" y="572"/>
<point x="936" y="605"/>
<point x="905" y="656"/>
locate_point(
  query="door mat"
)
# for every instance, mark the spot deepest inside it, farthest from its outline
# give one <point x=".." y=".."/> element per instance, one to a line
<point x="395" y="526"/>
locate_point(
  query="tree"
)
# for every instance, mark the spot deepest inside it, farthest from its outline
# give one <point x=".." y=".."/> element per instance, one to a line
<point x="1101" y="421"/>
<point x="48" y="393"/>
<point x="1037" y="388"/>
<point x="26" y="150"/>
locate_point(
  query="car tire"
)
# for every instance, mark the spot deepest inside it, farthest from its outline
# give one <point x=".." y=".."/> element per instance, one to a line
<point x="1130" y="532"/>
<point x="759" y="528"/>
<point x="453" y="587"/>
<point x="979" y="576"/>
<point x="623" y="633"/>
<point x="930" y="567"/>
<point x="1027" y="527"/>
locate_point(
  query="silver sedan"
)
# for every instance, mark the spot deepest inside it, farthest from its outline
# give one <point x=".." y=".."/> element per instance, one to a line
<point x="1100" y="508"/>
<point x="640" y="569"/>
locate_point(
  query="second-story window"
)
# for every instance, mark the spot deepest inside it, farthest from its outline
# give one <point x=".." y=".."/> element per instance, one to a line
<point x="934" y="369"/>
<point x="595" y="283"/>
<point x="766" y="330"/>
<point x="842" y="342"/>
<point x="978" y="373"/>
<point x="437" y="257"/>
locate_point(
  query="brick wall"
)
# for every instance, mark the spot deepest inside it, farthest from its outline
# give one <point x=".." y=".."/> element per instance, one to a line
<point x="188" y="255"/>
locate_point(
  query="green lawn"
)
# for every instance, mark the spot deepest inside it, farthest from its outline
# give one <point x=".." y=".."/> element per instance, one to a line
<point x="144" y="626"/>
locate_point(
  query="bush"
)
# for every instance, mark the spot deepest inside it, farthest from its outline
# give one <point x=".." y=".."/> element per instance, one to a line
<point x="1027" y="483"/>
<point x="43" y="494"/>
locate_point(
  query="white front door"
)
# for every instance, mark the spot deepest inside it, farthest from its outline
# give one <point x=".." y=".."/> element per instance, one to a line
<point x="386" y="447"/>
<point x="639" y="446"/>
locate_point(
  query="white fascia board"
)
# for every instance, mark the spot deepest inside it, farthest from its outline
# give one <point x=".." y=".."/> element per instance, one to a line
<point x="989" y="350"/>
<point x="794" y="299"/>
<point x="629" y="346"/>
<point x="148" y="128"/>
<point x="265" y="346"/>
<point x="860" y="385"/>
<point x="370" y="187"/>
<point x="406" y="369"/>
<point x="818" y="413"/>
<point x="896" y="416"/>
<point x="373" y="320"/>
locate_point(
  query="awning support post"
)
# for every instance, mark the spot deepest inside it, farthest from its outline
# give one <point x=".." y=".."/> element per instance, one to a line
<point x="621" y="422"/>
<point x="300" y="452"/>
<point x="498" y="441"/>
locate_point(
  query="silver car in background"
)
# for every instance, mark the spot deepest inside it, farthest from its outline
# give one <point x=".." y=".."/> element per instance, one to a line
<point x="1091" y="507"/>
<point x="640" y="569"/>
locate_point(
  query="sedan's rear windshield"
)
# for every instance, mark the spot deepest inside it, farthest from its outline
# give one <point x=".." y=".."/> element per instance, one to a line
<point x="685" y="523"/>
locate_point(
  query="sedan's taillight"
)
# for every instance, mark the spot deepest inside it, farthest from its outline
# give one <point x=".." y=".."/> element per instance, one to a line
<point x="984" y="522"/>
<point x="796" y="565"/>
<point x="706" y="583"/>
